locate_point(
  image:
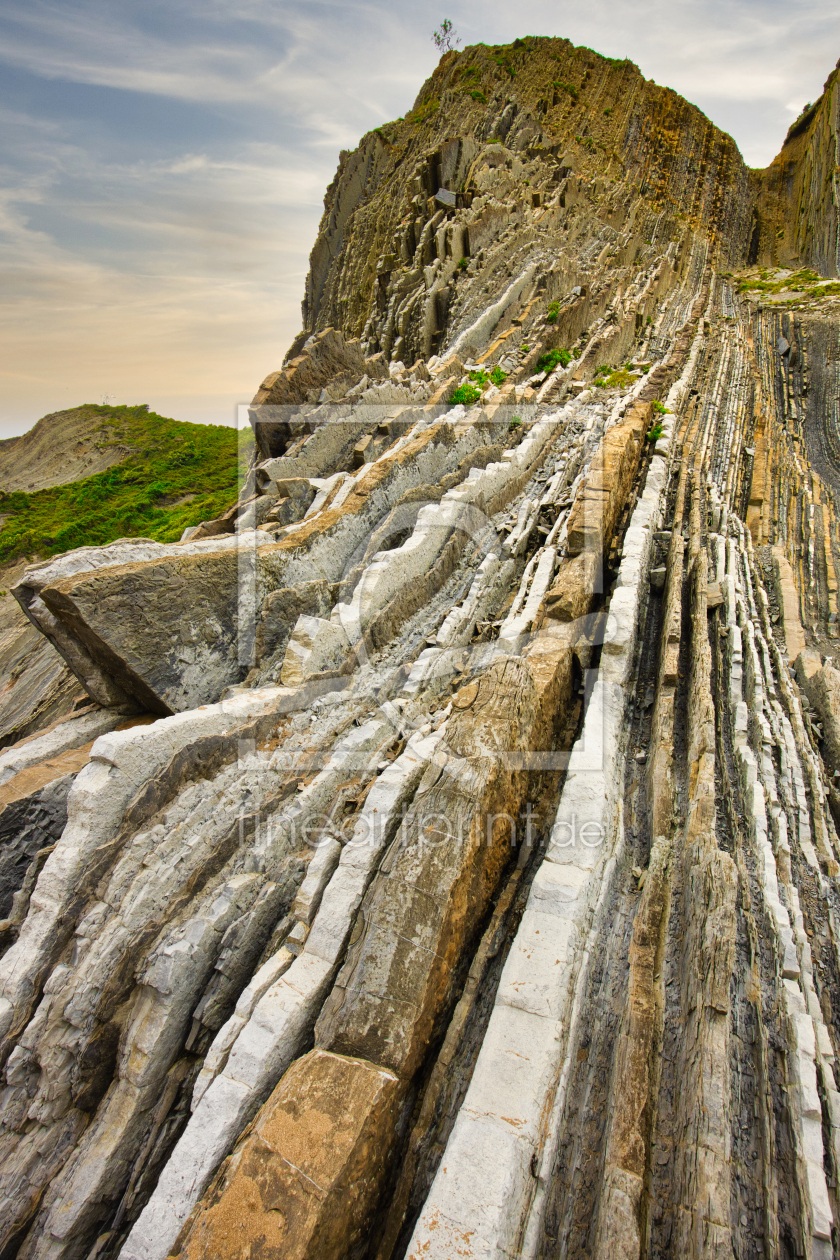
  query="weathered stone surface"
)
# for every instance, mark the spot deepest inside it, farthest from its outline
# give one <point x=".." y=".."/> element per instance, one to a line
<point x="306" y="1179"/>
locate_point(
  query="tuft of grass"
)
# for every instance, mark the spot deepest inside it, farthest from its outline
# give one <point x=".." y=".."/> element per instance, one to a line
<point x="478" y="95"/>
<point x="660" y="408"/>
<point x="552" y="313"/>
<point x="548" y="362"/>
<point x="169" y="460"/>
<point x="515" y="423"/>
<point x="565" y="87"/>
<point x="424" y="111"/>
<point x="463" y="264"/>
<point x="482" y="378"/>
<point x="465" y="394"/>
<point x="654" y="433"/>
<point x="606" y="378"/>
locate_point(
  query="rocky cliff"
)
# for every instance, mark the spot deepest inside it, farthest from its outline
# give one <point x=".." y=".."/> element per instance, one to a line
<point x="448" y="865"/>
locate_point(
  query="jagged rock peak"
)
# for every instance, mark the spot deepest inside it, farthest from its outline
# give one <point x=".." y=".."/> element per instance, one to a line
<point x="543" y="111"/>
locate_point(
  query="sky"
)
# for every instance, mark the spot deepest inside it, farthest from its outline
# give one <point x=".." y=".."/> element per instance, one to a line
<point x="163" y="165"/>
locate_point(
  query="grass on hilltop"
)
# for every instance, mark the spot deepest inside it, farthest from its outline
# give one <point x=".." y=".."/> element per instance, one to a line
<point x="141" y="497"/>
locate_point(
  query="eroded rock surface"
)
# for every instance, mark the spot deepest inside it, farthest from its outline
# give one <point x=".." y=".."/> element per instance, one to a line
<point x="469" y="883"/>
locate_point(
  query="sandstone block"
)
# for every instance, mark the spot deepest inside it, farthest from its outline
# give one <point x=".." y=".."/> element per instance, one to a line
<point x="302" y="1184"/>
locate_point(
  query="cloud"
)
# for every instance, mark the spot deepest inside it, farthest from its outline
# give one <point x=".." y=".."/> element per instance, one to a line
<point x="162" y="168"/>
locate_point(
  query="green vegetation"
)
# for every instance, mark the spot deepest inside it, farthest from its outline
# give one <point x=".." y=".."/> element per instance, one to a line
<point x="548" y="362"/>
<point x="566" y="87"/>
<point x="502" y="61"/>
<point x="482" y="378"/>
<point x="524" y="347"/>
<point x="445" y="37"/>
<point x="515" y="423"/>
<point x="478" y="96"/>
<point x="654" y="433"/>
<point x="553" y="312"/>
<point x="466" y="394"/>
<point x="620" y="378"/>
<point x="660" y="408"/>
<point x="805" y="281"/>
<point x="424" y="111"/>
<point x="142" y="496"/>
<point x="464" y="263"/>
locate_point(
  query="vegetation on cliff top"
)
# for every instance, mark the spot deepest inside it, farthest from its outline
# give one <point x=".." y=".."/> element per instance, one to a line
<point x="176" y="475"/>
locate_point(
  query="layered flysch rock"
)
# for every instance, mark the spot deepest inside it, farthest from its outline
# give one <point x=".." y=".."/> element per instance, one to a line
<point x="447" y="864"/>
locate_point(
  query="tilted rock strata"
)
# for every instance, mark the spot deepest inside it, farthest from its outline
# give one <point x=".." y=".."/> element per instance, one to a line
<point x="469" y="887"/>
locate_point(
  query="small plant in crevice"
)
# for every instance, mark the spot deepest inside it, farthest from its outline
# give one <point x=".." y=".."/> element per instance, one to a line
<point x="497" y="376"/>
<point x="565" y="87"/>
<point x="552" y="313"/>
<point x="463" y="264"/>
<point x="548" y="362"/>
<point x="654" y="433"/>
<point x="515" y="424"/>
<point x="466" y="395"/>
<point x="660" y="408"/>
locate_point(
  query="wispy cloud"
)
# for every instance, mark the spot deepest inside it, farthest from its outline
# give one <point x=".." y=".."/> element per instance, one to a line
<point x="162" y="168"/>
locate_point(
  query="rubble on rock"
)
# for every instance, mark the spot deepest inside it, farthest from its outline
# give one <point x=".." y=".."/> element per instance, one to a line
<point x="468" y="884"/>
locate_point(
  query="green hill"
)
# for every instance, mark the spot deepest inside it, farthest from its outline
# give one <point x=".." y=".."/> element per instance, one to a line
<point x="170" y="475"/>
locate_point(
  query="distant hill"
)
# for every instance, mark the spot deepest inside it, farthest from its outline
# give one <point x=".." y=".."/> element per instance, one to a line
<point x="92" y="474"/>
<point x="63" y="446"/>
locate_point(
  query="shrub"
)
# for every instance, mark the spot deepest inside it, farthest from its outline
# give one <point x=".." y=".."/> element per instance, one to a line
<point x="497" y="376"/>
<point x="463" y="264"/>
<point x="553" y="312"/>
<point x="515" y="423"/>
<point x="524" y="348"/>
<point x="477" y="95"/>
<point x="654" y="433"/>
<point x="566" y="87"/>
<point x="548" y="361"/>
<point x="618" y="379"/>
<point x="660" y="408"/>
<point x="465" y="394"/>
